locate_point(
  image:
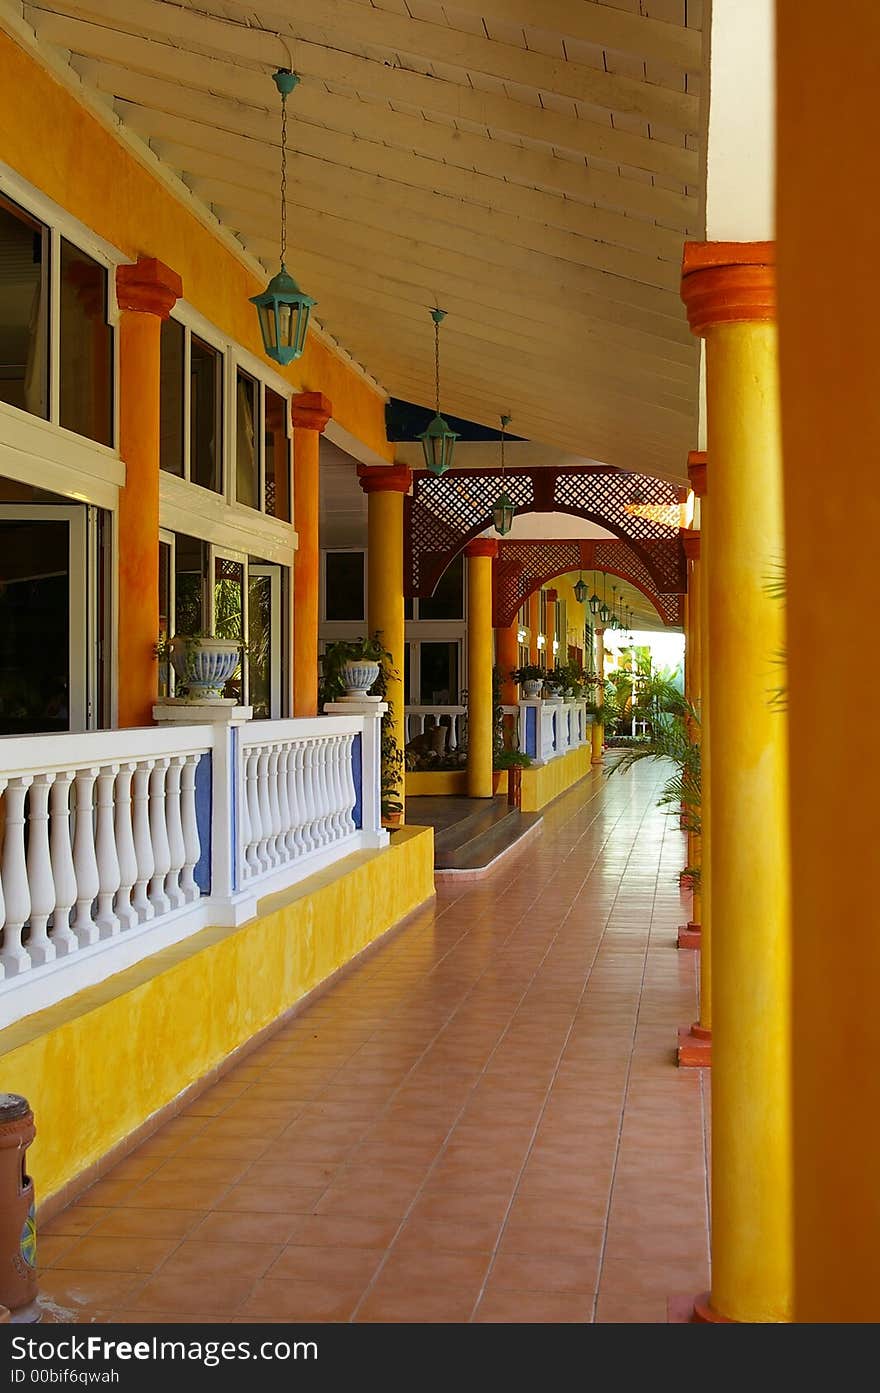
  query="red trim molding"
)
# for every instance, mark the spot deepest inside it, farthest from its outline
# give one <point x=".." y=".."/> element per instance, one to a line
<point x="482" y="546"/>
<point x="696" y="466"/>
<point x="728" y="283"/>
<point x="148" y="286"/>
<point x="392" y="478"/>
<point x="310" y="411"/>
<point x="690" y="540"/>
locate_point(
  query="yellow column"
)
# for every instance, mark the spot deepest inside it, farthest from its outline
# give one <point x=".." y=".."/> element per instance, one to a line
<point x="729" y="291"/>
<point x="146" y="292"/>
<point x="480" y="554"/>
<point x="689" y="934"/>
<point x="552" y="597"/>
<point x="829" y="309"/>
<point x="534" y="626"/>
<point x="309" y="412"/>
<point x="597" y="730"/>
<point x="507" y="657"/>
<point x="385" y="488"/>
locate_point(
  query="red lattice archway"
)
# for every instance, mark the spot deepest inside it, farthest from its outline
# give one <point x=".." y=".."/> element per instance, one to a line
<point x="445" y="512"/>
<point x="523" y="567"/>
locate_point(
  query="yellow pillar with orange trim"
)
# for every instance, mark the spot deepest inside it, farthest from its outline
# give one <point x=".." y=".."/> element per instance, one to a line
<point x="146" y="291"/>
<point x="309" y="412"/>
<point x="386" y="488"/>
<point x="729" y="292"/>
<point x="597" y="729"/>
<point x="480" y="555"/>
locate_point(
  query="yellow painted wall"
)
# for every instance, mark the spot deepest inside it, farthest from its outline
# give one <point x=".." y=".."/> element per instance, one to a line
<point x="576" y="615"/>
<point x="541" y="783"/>
<point x="97" y="1066"/>
<point x="428" y="782"/>
<point x="65" y="151"/>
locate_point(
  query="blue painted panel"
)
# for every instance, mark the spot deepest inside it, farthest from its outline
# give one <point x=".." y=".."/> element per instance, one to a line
<point x="204" y="792"/>
<point x="357" y="769"/>
<point x="532" y="731"/>
<point x="555" y="738"/>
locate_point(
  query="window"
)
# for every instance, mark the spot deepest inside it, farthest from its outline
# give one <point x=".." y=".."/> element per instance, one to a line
<point x="229" y="613"/>
<point x="276" y="456"/>
<point x="344" y="585"/>
<point x="190" y="566"/>
<point x="438" y="663"/>
<point x="166" y="627"/>
<point x="205" y="415"/>
<point x="447" y="602"/>
<point x="172" y="355"/>
<point x="247" y="435"/>
<point x="85" y="347"/>
<point x="24" y="307"/>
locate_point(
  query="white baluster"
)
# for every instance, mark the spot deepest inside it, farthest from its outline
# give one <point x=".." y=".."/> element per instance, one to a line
<point x="191" y="843"/>
<point x="296" y="842"/>
<point x="174" y="824"/>
<point x="85" y="864"/>
<point x="63" y="938"/>
<point x="159" y="838"/>
<point x="108" y="860"/>
<point x="39" y="871"/>
<point x="321" y="795"/>
<point x="143" y="843"/>
<point x="253" y="802"/>
<point x="341" y="743"/>
<point x="274" y="846"/>
<point x="452" y="737"/>
<point x="128" y="866"/>
<point x="14" y="956"/>
<point x="349" y="792"/>
<point x="284" y="757"/>
<point x="310" y="801"/>
<point x="334" y="801"/>
<point x="263" y="851"/>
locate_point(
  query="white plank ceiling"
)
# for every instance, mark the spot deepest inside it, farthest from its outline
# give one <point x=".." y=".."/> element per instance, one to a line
<point x="530" y="165"/>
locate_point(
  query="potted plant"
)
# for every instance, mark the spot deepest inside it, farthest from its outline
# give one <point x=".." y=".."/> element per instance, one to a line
<point x="202" y="664"/>
<point x="342" y="665"/>
<point x="353" y="665"/>
<point x="530" y="677"/>
<point x="555" y="681"/>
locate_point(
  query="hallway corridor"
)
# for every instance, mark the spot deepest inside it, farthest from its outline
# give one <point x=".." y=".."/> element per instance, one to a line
<point x="482" y="1120"/>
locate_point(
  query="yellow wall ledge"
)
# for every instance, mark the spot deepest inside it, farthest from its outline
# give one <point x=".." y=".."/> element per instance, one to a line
<point x="96" y="1067"/>
<point x="541" y="783"/>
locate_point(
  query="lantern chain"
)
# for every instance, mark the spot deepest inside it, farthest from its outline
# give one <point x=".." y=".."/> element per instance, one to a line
<point x="283" y="178"/>
<point x="437" y="365"/>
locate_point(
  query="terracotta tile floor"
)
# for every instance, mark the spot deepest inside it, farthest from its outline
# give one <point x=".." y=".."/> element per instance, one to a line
<point x="483" y="1121"/>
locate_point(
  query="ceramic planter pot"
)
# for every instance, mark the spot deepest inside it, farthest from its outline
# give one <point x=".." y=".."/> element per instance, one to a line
<point x="359" y="677"/>
<point x="533" y="687"/>
<point x="205" y="665"/>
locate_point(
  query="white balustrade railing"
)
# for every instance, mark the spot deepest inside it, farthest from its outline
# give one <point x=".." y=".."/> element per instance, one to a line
<point x="420" y="719"/>
<point x="116" y="844"/>
<point x="550" y="728"/>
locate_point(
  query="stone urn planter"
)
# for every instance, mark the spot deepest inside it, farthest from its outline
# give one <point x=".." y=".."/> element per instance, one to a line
<point x="533" y="688"/>
<point x="205" y="665"/>
<point x="359" y="677"/>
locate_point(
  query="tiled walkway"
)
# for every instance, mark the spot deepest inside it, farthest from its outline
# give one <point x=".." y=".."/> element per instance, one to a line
<point x="482" y="1121"/>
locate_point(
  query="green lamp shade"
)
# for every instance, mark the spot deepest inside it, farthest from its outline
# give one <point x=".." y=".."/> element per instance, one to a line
<point x="580" y="591"/>
<point x="284" y="312"/>
<point x="502" y="513"/>
<point x="604" y="613"/>
<point x="438" y="444"/>
<point x="594" y="602"/>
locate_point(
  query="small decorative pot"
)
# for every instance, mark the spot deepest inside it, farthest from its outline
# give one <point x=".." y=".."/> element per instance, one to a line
<point x="359" y="677"/>
<point x="205" y="665"/>
<point x="532" y="688"/>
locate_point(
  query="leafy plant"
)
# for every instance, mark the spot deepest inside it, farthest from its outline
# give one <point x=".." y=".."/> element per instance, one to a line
<point x="510" y="759"/>
<point x="673" y="739"/>
<point x="529" y="672"/>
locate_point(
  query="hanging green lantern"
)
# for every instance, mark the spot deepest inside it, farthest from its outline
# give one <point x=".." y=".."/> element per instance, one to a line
<point x="594" y="601"/>
<point x="503" y="509"/>
<point x="283" y="309"/>
<point x="438" y="441"/>
<point x="580" y="589"/>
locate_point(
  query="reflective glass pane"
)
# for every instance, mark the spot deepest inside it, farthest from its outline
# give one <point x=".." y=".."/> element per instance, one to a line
<point x="344" y="585"/>
<point x="24" y="281"/>
<point x="189" y="585"/>
<point x="247" y="434"/>
<point x="277" y="457"/>
<point x="260" y="645"/>
<point x="447" y="602"/>
<point x="34" y="626"/>
<point x="86" y="347"/>
<point x="206" y="415"/>
<point x="172" y="347"/>
<point x="229" y="612"/>
<point x="439" y="674"/>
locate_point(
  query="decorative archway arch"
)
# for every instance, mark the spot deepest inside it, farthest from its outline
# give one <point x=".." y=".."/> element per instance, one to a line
<point x="445" y="512"/>
<point x="526" y="566"/>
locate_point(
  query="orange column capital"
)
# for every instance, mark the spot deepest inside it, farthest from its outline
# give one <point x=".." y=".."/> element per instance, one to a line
<point x="148" y="286"/>
<point x="311" y="411"/>
<point x="690" y="540"/>
<point x="697" y="466"/>
<point x="552" y="596"/>
<point x="392" y="478"/>
<point x="482" y="546"/>
<point x="728" y="283"/>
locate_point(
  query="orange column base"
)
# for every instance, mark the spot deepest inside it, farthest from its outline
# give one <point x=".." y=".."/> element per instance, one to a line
<point x="694" y="1047"/>
<point x="690" y="935"/>
<point x="684" y="1310"/>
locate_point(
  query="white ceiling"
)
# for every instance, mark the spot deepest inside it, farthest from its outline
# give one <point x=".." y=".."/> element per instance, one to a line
<point x="532" y="165"/>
